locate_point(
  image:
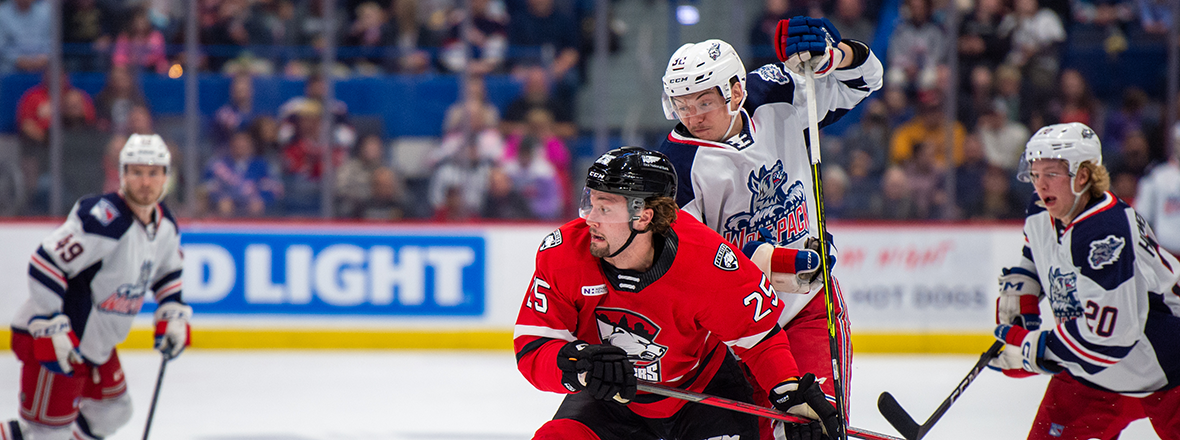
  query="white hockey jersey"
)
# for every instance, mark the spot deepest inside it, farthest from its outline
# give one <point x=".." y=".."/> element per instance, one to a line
<point x="96" y="268"/>
<point x="1114" y="296"/>
<point x="761" y="177"/>
<point x="1158" y="201"/>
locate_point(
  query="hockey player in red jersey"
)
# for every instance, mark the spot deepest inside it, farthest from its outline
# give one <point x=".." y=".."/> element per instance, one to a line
<point x="634" y="290"/>
<point x="87" y="282"/>
<point x="1113" y="352"/>
<point x="740" y="150"/>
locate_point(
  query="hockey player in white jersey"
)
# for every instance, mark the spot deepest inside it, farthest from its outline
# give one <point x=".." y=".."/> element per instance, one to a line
<point x="1158" y="198"/>
<point x="1114" y="352"/>
<point x="741" y="150"/>
<point x="87" y="282"/>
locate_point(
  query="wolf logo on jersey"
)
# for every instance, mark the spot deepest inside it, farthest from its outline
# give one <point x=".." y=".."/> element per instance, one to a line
<point x="636" y="335"/>
<point x="783" y="212"/>
<point x="1105" y="251"/>
<point x="128" y="298"/>
<point x="772" y="73"/>
<point x="1063" y="289"/>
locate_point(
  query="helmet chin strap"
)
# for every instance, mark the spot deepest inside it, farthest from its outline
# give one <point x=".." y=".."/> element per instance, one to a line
<point x="1077" y="195"/>
<point x="628" y="243"/>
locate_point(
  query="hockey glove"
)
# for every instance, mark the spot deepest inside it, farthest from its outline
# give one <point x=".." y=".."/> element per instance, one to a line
<point x="601" y="370"/>
<point x="803" y="397"/>
<point x="813" y="244"/>
<point x="801" y="431"/>
<point x="789" y="270"/>
<point x="805" y="42"/>
<point x="1024" y="352"/>
<point x="54" y="344"/>
<point x="1019" y="301"/>
<point x="172" y="329"/>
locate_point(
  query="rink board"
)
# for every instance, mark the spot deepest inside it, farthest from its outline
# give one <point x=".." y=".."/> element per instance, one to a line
<point x="909" y="288"/>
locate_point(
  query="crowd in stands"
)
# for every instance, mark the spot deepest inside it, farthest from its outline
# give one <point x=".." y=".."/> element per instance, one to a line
<point x="998" y="75"/>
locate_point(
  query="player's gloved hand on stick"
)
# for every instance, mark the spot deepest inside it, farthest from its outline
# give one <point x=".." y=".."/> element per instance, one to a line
<point x="803" y="397"/>
<point x="805" y="42"/>
<point x="1024" y="352"/>
<point x="54" y="344"/>
<point x="813" y="244"/>
<point x="789" y="270"/>
<point x="172" y="328"/>
<point x="600" y="369"/>
<point x="802" y="431"/>
<point x="1020" y="297"/>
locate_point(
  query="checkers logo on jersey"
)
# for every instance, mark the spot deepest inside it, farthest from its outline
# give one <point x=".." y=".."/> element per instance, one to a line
<point x="551" y="240"/>
<point x="636" y="335"/>
<point x="104" y="212"/>
<point x="1105" y="252"/>
<point x="725" y="259"/>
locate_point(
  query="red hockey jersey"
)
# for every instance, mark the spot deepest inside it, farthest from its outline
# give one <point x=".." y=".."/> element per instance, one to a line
<point x="675" y="320"/>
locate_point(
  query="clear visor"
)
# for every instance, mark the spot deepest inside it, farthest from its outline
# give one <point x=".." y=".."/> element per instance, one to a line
<point x="603" y="207"/>
<point x="1024" y="170"/>
<point x="687" y="106"/>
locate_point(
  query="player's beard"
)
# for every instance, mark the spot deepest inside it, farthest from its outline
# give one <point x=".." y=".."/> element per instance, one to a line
<point x="142" y="197"/>
<point x="600" y="251"/>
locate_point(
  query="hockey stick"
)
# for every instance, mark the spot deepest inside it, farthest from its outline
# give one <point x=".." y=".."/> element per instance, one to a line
<point x="825" y="268"/>
<point x="747" y="408"/>
<point x="156" y="394"/>
<point x="905" y="424"/>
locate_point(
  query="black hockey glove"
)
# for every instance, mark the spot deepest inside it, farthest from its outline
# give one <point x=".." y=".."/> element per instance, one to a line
<point x="804" y="398"/>
<point x="804" y="431"/>
<point x="601" y="370"/>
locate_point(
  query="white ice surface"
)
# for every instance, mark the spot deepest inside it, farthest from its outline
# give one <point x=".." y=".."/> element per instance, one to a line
<point x="400" y="395"/>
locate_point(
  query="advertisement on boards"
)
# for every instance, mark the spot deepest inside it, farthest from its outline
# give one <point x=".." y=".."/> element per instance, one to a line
<point x="334" y="273"/>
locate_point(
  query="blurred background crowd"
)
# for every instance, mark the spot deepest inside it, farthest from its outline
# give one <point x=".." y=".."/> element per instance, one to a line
<point x="459" y="110"/>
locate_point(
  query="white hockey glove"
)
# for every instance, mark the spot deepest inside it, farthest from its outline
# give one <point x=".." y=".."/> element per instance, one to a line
<point x="805" y="42"/>
<point x="1020" y="297"/>
<point x="788" y="270"/>
<point x="803" y="397"/>
<point x="172" y="329"/>
<point x="1024" y="352"/>
<point x="54" y="344"/>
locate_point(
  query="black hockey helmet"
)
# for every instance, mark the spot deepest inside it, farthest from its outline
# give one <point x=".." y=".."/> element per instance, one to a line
<point x="633" y="172"/>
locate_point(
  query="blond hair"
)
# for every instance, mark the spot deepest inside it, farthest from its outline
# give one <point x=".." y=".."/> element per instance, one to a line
<point x="1099" y="178"/>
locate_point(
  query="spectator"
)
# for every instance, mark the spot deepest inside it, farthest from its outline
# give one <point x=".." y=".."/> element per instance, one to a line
<point x="863" y="184"/>
<point x="239" y="182"/>
<point x="80" y="152"/>
<point x="897" y="106"/>
<point x="235" y="29"/>
<point x="86" y="35"/>
<point x="981" y="42"/>
<point x="368" y="40"/>
<point x="1130" y="116"/>
<point x="893" y="202"/>
<point x="487" y="41"/>
<point x="303" y="160"/>
<point x="139" y="121"/>
<point x="1133" y="155"/>
<point x="110" y="163"/>
<point x="1010" y="90"/>
<point x="553" y="149"/>
<point x="1000" y="202"/>
<point x="24" y="36"/>
<point x="1158" y="198"/>
<point x="1074" y="102"/>
<point x="33" y="114"/>
<point x="1037" y="34"/>
<point x="354" y="179"/>
<point x="386" y="200"/>
<point x="535" y="94"/>
<point x="504" y="201"/>
<point x="1155" y="16"/>
<point x="416" y="36"/>
<point x="459" y="186"/>
<point x="871" y="137"/>
<point x="535" y="178"/>
<point x="472" y="111"/>
<point x="980" y="99"/>
<point x="764" y="28"/>
<point x="315" y="91"/>
<point x="930" y="125"/>
<point x="1124" y="185"/>
<point x="850" y="19"/>
<point x="545" y="36"/>
<point x="927" y="180"/>
<point x="836" y="193"/>
<point x="238" y="113"/>
<point x="265" y="132"/>
<point x="969" y="177"/>
<point x="113" y="104"/>
<point x="1003" y="140"/>
<point x="1107" y="18"/>
<point x="916" y="49"/>
<point x="139" y="46"/>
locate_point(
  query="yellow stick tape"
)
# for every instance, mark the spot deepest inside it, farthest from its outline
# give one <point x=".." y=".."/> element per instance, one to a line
<point x="369" y="339"/>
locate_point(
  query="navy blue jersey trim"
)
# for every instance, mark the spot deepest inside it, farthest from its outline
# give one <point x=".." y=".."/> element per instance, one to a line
<point x="857" y="84"/>
<point x="1162" y="329"/>
<point x="49" y="283"/>
<point x="1058" y="347"/>
<point x="166" y="279"/>
<point x="168" y="215"/>
<point x="48" y="259"/>
<point x="1028" y="253"/>
<point x="117" y="226"/>
<point x="531" y="347"/>
<point x="682" y="157"/>
<point x="1104" y="229"/>
<point x="79" y="300"/>
<point x="1114" y="351"/>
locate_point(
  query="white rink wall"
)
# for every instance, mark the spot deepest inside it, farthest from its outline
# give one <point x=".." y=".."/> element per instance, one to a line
<point x="899" y="281"/>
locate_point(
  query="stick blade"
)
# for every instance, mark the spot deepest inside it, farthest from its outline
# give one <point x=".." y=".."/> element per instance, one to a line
<point x="901" y="420"/>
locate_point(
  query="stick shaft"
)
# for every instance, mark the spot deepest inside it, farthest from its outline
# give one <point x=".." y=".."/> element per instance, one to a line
<point x="155" y="397"/>
<point x="905" y="424"/>
<point x="747" y="408"/>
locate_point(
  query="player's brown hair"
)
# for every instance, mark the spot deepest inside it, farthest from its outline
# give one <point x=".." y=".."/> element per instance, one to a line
<point x="664" y="211"/>
<point x="1099" y="178"/>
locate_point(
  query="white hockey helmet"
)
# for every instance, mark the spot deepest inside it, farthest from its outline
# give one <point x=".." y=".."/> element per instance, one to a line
<point x="144" y="149"/>
<point x="696" y="67"/>
<point x="1072" y="142"/>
